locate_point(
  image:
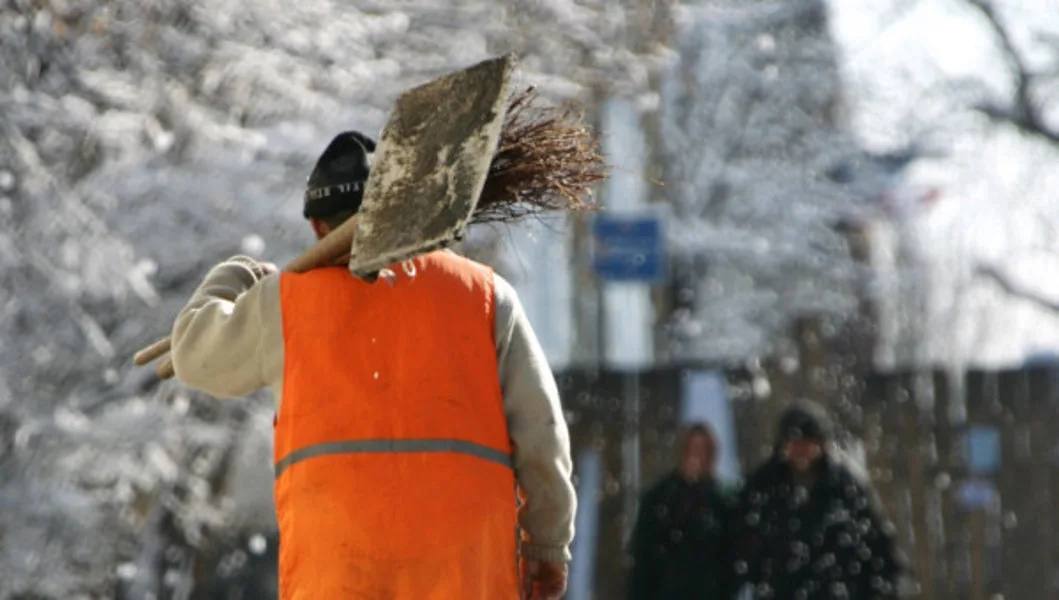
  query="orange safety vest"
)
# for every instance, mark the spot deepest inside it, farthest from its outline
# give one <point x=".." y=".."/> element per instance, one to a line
<point x="393" y="469"/>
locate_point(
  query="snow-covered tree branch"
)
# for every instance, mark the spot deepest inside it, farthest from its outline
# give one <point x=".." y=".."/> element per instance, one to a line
<point x="1026" y="110"/>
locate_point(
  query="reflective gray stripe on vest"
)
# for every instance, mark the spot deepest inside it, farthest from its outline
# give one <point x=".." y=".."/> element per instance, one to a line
<point x="393" y="446"/>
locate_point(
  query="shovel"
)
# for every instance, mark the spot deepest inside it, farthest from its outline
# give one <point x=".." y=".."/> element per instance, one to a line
<point x="428" y="173"/>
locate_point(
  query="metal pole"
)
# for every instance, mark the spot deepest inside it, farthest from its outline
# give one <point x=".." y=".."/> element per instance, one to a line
<point x="631" y="451"/>
<point x="583" y="567"/>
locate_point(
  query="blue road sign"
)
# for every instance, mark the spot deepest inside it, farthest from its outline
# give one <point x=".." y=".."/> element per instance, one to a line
<point x="628" y="248"/>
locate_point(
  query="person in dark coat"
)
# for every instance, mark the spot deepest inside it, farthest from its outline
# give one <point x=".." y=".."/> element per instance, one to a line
<point x="679" y="543"/>
<point x="806" y="528"/>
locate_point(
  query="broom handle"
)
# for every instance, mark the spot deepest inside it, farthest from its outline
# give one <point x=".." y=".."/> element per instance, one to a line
<point x="164" y="370"/>
<point x="331" y="249"/>
<point x="327" y="251"/>
<point x="151" y="352"/>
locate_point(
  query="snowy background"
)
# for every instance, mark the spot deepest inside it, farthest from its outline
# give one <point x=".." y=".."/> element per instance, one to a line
<point x="971" y="226"/>
<point x="142" y="141"/>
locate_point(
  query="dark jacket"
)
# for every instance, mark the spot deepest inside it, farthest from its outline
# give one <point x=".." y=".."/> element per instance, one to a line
<point x="819" y="542"/>
<point x="680" y="545"/>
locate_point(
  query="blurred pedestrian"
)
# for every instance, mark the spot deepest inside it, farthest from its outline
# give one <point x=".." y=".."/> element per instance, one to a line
<point x="679" y="544"/>
<point x="408" y="412"/>
<point x="806" y="528"/>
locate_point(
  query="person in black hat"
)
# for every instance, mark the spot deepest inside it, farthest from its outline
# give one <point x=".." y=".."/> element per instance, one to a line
<point x="805" y="527"/>
<point x="336" y="185"/>
<point x="411" y="410"/>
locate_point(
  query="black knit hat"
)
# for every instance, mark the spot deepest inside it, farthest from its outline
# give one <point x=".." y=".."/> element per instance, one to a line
<point x="804" y="420"/>
<point x="337" y="181"/>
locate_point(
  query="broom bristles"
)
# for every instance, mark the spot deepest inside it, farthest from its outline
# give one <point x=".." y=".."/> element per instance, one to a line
<point x="546" y="160"/>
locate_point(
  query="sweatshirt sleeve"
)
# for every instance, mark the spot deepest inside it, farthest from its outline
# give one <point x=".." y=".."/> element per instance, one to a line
<point x="224" y="341"/>
<point x="538" y="431"/>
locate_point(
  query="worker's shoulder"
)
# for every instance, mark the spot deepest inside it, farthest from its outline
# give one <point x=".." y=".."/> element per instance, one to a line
<point x="447" y="263"/>
<point x="448" y="256"/>
<point x="505" y="298"/>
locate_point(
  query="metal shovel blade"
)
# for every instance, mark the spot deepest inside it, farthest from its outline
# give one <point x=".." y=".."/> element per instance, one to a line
<point x="430" y="165"/>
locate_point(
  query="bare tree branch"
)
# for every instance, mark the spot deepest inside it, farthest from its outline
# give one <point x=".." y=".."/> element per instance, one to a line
<point x="1005" y="282"/>
<point x="1012" y="117"/>
<point x="1025" y="114"/>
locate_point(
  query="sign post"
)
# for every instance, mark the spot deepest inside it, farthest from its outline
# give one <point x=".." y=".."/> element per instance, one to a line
<point x="628" y="248"/>
<point x="628" y="254"/>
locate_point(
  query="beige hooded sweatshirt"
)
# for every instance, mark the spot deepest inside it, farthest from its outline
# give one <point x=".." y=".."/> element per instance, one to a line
<point x="228" y="341"/>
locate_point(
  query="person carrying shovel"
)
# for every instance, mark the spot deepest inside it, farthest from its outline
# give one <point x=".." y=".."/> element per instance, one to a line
<point x="420" y="446"/>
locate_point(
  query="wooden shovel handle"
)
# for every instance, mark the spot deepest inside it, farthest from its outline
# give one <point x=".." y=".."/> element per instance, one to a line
<point x="151" y="352"/>
<point x="331" y="250"/>
<point x="326" y="251"/>
<point x="164" y="370"/>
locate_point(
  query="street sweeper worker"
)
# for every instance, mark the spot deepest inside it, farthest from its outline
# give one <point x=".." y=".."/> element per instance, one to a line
<point x="419" y="433"/>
